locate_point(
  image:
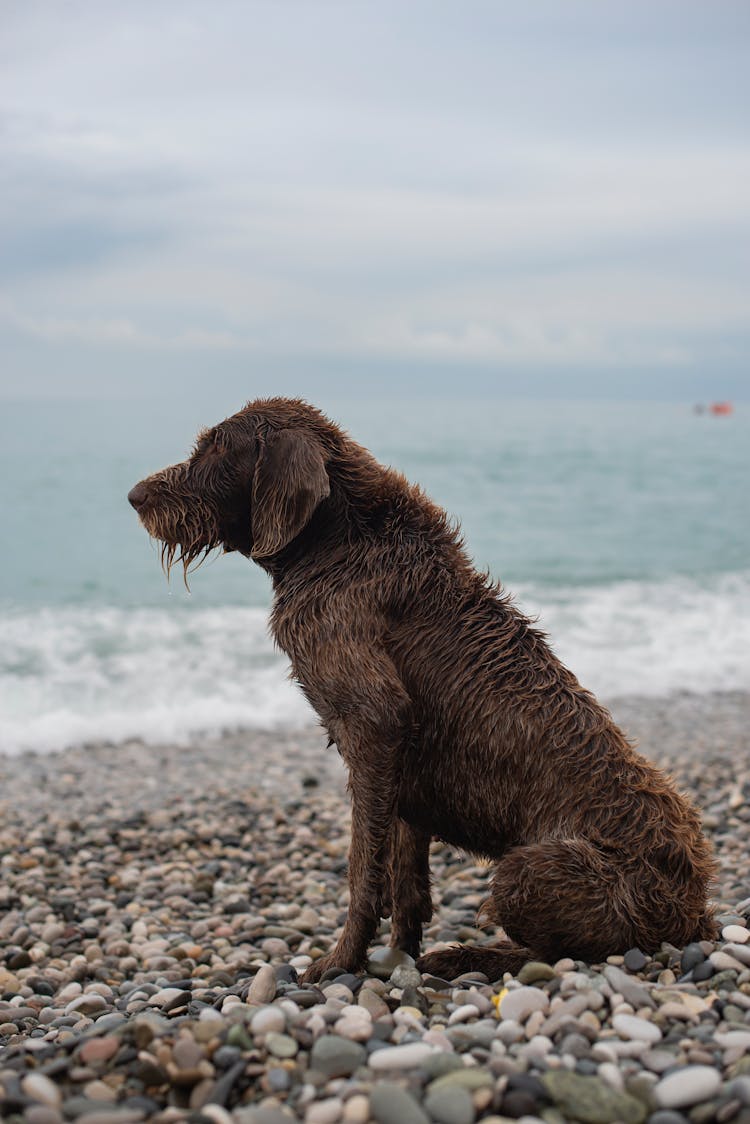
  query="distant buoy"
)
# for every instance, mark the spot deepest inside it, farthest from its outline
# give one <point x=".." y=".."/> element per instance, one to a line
<point x="721" y="408"/>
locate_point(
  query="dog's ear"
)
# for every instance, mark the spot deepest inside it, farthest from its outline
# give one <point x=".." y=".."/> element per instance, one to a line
<point x="290" y="481"/>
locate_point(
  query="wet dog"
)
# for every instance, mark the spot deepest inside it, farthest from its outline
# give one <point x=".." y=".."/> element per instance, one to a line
<point x="450" y="711"/>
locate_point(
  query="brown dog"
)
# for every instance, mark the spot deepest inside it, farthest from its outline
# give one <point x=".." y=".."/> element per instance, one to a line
<point x="453" y="716"/>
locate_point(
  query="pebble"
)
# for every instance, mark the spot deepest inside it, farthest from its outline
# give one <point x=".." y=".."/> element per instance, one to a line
<point x="451" y="1105"/>
<point x="40" y="1088"/>
<point x="335" y="1056"/>
<point x="324" y="1112"/>
<point x="737" y="933"/>
<point x="690" y="1085"/>
<point x="692" y="955"/>
<point x="390" y="1104"/>
<point x="268" y="1019"/>
<point x="383" y="961"/>
<point x="136" y="980"/>
<point x="534" y="971"/>
<point x="408" y="1056"/>
<point x="634" y="960"/>
<point x="592" y="1100"/>
<point x="263" y="987"/>
<point x="521" y="1002"/>
<point x="281" y="1045"/>
<point x="641" y="1030"/>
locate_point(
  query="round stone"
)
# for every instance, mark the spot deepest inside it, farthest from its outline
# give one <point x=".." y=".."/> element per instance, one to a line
<point x="637" y="1029"/>
<point x="535" y="970"/>
<point x="40" y="1088"/>
<point x="383" y="961"/>
<point x="404" y="976"/>
<point x="42" y="1114"/>
<point x="98" y="1050"/>
<point x="407" y="1056"/>
<point x="86" y="1005"/>
<point x="324" y="1112"/>
<point x="334" y="1056"/>
<point x="268" y="1019"/>
<point x="390" y="1103"/>
<point x="521" y="1002"/>
<point x="281" y="1045"/>
<point x="687" y="1086"/>
<point x="450" y="1106"/>
<point x="692" y="955"/>
<point x="263" y="987"/>
<point x="591" y="1100"/>
<point x="634" y="960"/>
<point x="737" y="933"/>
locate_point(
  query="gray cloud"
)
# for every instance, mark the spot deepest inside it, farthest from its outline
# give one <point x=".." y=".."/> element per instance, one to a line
<point x="542" y="187"/>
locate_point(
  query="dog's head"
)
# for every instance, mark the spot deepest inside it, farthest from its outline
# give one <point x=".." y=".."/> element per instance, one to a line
<point x="252" y="484"/>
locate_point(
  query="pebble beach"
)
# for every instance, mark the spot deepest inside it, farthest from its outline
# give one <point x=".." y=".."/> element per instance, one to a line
<point x="159" y="904"/>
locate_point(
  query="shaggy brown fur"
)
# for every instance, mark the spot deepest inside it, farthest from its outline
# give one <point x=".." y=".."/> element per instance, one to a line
<point x="453" y="716"/>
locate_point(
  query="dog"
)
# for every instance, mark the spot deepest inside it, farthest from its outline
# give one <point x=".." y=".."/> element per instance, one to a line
<point x="453" y="716"/>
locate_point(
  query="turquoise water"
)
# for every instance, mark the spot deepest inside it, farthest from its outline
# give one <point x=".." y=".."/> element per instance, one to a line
<point x="625" y="527"/>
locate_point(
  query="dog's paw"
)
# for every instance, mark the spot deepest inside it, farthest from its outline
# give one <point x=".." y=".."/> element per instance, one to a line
<point x="317" y="970"/>
<point x="319" y="967"/>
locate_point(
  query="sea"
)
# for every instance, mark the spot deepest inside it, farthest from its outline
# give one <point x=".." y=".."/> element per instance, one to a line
<point x="624" y="528"/>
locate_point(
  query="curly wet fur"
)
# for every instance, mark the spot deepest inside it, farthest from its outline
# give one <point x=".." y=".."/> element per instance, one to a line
<point x="452" y="714"/>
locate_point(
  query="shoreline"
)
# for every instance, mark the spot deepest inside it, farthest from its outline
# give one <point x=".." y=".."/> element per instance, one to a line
<point x="156" y="902"/>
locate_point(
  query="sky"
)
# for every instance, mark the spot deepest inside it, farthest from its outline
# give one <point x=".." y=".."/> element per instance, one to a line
<point x="550" y="198"/>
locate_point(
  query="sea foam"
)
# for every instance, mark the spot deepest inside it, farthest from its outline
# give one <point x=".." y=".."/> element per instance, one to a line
<point x="78" y="674"/>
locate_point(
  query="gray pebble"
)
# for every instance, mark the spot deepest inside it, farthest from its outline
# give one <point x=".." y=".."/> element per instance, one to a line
<point x="335" y="1056"/>
<point x="450" y="1106"/>
<point x="390" y="1104"/>
<point x="382" y="962"/>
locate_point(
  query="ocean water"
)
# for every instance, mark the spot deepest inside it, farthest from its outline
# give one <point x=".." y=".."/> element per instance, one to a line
<point x="624" y="527"/>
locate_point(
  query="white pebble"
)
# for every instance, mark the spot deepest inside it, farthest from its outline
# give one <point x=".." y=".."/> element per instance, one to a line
<point x="722" y="960"/>
<point x="210" y="1015"/>
<point x="400" y="1057"/>
<point x="40" y="1088"/>
<point x="520" y="1003"/>
<point x="357" y="1109"/>
<point x="463" y="1013"/>
<point x="266" y="1020"/>
<point x="324" y="1112"/>
<point x="740" y="952"/>
<point x="687" y="1086"/>
<point x="610" y="1073"/>
<point x="439" y="1038"/>
<point x="737" y="933"/>
<point x="263" y="987"/>
<point x="733" y="1038"/>
<point x="635" y="1028"/>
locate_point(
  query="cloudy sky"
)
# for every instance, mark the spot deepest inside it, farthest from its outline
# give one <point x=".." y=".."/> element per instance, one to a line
<point x="545" y="197"/>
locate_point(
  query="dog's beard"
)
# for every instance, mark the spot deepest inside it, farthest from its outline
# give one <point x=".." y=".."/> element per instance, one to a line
<point x="188" y="532"/>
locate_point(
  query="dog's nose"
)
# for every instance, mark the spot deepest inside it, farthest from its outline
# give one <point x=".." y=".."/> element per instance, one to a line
<point x="137" y="496"/>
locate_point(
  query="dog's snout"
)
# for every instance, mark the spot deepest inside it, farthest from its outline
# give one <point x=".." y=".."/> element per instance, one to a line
<point x="137" y="496"/>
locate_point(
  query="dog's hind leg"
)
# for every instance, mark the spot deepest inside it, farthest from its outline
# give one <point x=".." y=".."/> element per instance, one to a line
<point x="409" y="885"/>
<point x="559" y="898"/>
<point x="459" y="959"/>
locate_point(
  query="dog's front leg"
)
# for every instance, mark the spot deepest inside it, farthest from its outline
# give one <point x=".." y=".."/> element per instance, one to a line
<point x="409" y="876"/>
<point x="370" y="738"/>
